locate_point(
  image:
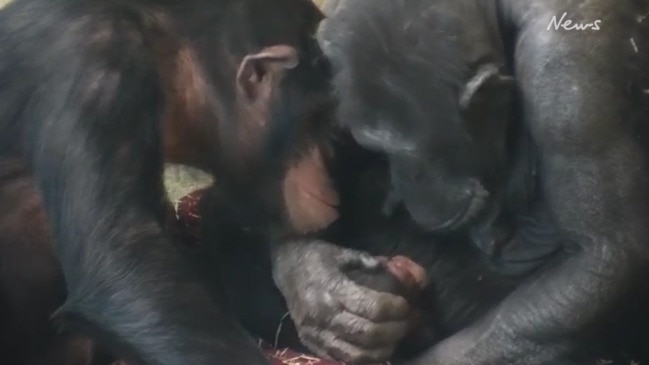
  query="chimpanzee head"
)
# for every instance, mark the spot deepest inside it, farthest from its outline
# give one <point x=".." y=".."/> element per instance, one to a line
<point x="258" y="85"/>
<point x="406" y="88"/>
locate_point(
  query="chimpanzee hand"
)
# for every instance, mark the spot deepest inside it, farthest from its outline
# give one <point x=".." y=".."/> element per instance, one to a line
<point x="336" y="317"/>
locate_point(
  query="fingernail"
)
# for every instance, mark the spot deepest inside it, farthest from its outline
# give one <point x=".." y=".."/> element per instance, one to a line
<point x="369" y="261"/>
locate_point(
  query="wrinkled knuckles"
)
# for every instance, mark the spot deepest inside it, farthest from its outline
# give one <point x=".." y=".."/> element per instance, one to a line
<point x="362" y="332"/>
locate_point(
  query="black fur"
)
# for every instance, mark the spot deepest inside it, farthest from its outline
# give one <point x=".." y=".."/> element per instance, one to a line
<point x="81" y="101"/>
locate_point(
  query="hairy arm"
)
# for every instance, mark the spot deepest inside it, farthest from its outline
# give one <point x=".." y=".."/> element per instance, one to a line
<point x="94" y="145"/>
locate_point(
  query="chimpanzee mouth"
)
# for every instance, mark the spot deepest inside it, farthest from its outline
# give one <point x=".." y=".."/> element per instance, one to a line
<point x="477" y="204"/>
<point x="310" y="198"/>
<point x="328" y="198"/>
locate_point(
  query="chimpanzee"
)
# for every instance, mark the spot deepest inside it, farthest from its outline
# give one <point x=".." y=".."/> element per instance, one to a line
<point x="517" y="147"/>
<point x="95" y="96"/>
<point x="556" y="185"/>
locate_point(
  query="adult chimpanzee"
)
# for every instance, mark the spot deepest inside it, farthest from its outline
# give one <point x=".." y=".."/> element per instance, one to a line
<point x="552" y="187"/>
<point x="95" y="95"/>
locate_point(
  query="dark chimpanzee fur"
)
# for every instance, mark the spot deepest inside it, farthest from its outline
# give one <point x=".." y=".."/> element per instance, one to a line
<point x="511" y="163"/>
<point x="95" y="95"/>
<point x="31" y="281"/>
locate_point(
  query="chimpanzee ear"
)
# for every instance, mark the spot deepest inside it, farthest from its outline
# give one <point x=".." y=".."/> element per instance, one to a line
<point x="487" y="87"/>
<point x="257" y="71"/>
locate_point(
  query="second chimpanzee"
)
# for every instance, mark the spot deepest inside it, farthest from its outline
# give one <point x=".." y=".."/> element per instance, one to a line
<point x="552" y="186"/>
<point x="95" y="96"/>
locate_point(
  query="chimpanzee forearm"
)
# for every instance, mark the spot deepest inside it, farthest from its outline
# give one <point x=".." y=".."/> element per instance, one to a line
<point x="536" y="323"/>
<point x="132" y="302"/>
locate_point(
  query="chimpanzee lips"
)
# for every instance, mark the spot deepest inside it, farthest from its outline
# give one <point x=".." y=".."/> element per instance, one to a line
<point x="476" y="204"/>
<point x="309" y="196"/>
<point x="328" y="198"/>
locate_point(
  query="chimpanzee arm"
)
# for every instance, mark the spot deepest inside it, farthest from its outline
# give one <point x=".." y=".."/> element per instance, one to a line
<point x="576" y="88"/>
<point x="95" y="148"/>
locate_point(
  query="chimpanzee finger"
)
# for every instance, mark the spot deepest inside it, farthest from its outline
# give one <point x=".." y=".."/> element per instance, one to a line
<point x="327" y="345"/>
<point x="364" y="333"/>
<point x="370" y="304"/>
<point x="360" y="259"/>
